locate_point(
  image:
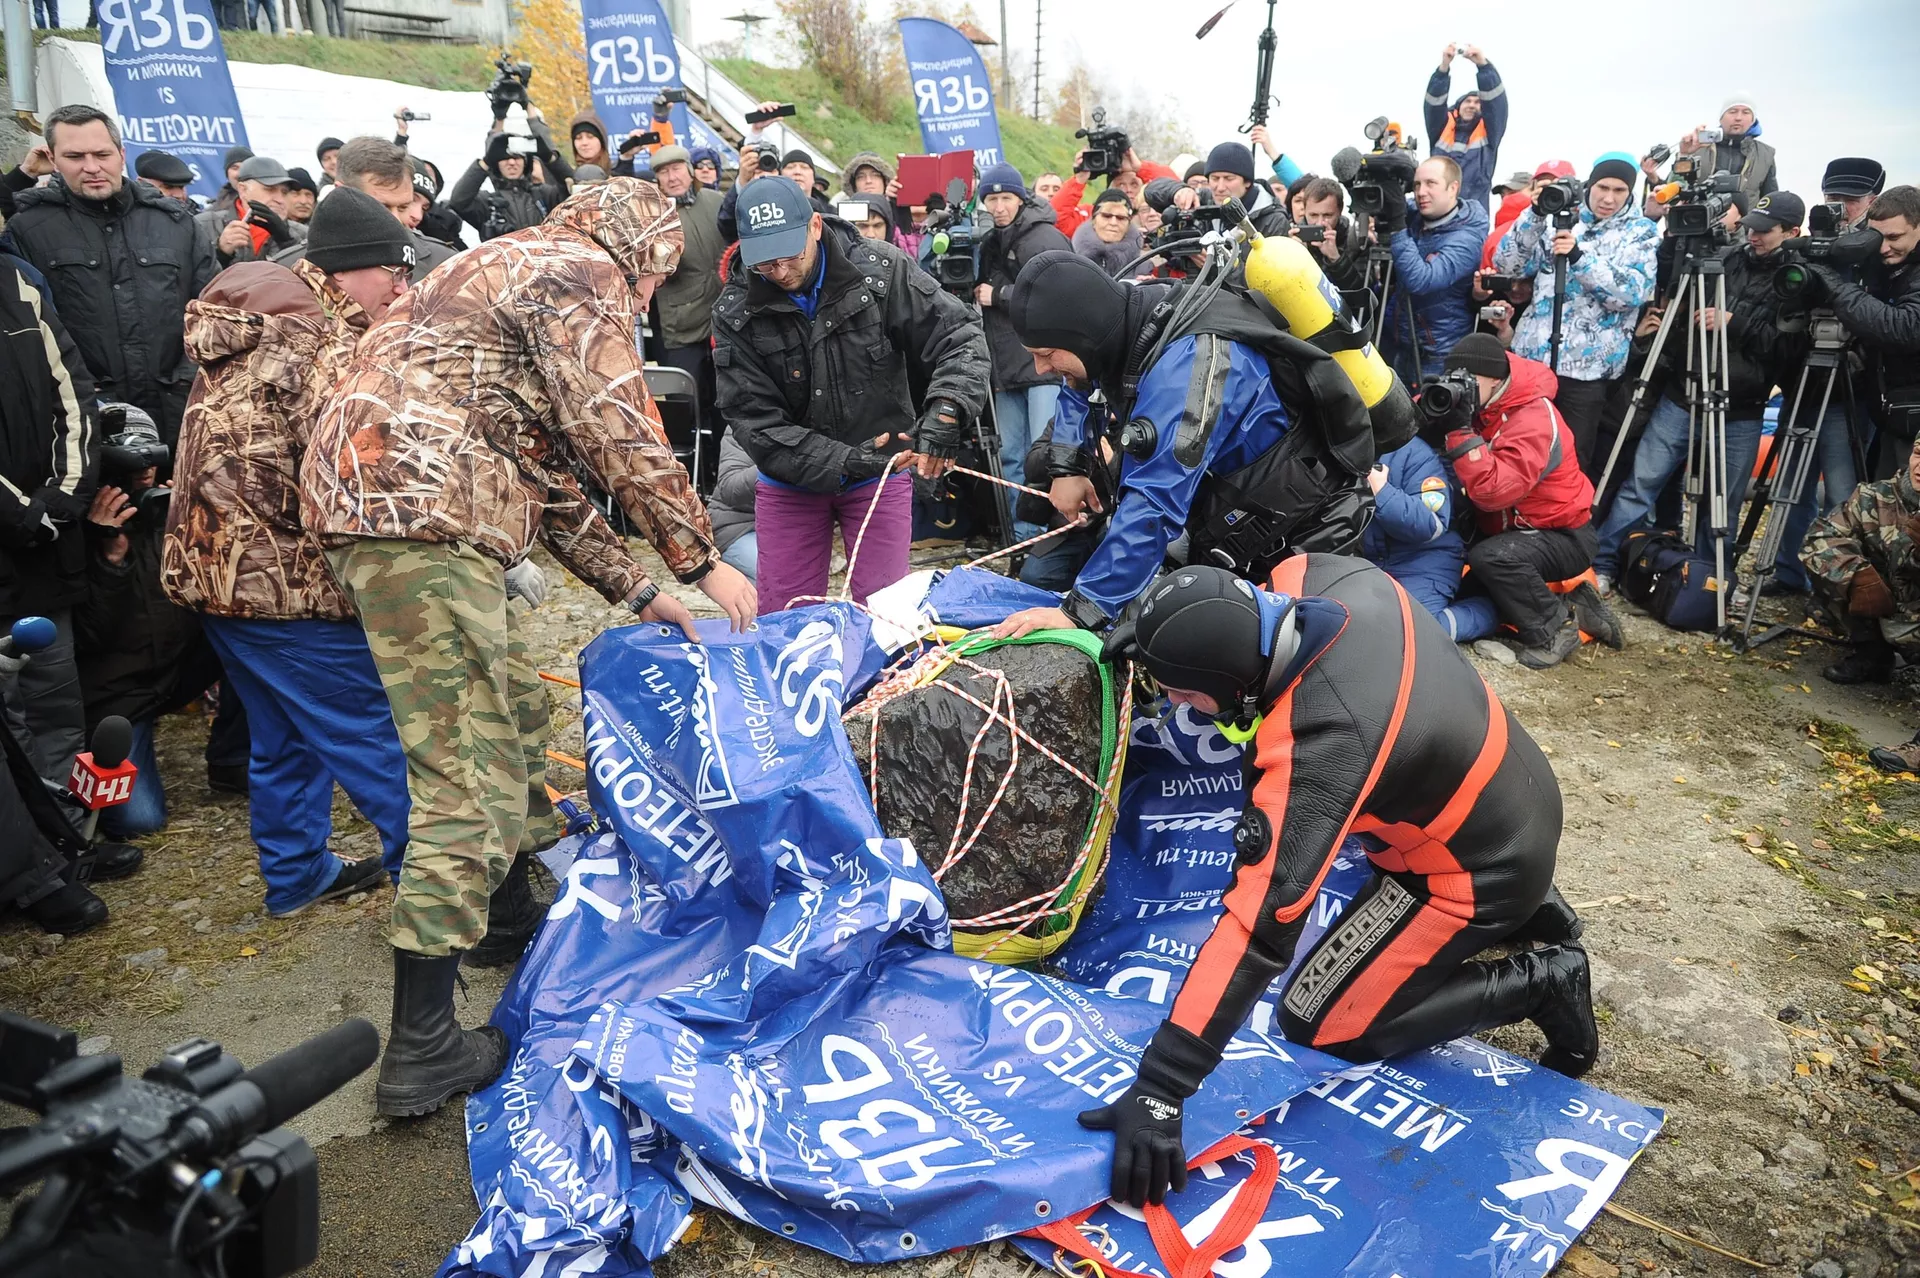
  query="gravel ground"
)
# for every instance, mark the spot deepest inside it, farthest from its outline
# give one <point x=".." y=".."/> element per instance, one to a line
<point x="1751" y="891"/>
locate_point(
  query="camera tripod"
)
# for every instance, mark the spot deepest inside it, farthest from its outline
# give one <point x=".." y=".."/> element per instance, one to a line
<point x="1378" y="286"/>
<point x="1702" y="287"/>
<point x="1790" y="458"/>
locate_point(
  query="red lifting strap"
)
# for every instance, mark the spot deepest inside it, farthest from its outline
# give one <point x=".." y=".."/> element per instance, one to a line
<point x="1182" y="1259"/>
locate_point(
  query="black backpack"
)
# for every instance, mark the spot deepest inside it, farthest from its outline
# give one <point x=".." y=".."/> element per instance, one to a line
<point x="1664" y="576"/>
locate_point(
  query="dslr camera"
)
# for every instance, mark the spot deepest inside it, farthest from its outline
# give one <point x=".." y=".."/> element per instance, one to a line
<point x="509" y="85"/>
<point x="1559" y="200"/>
<point x="130" y="446"/>
<point x="1447" y="402"/>
<point x="1106" y="147"/>
<point x="185" y="1170"/>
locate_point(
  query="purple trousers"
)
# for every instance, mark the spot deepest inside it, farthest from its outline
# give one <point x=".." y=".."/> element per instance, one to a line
<point x="795" y="531"/>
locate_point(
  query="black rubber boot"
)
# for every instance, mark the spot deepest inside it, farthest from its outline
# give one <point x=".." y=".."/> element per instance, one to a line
<point x="1867" y="662"/>
<point x="429" y="1058"/>
<point x="1554" y="923"/>
<point x="1564" y="1010"/>
<point x="513" y="916"/>
<point x="1544" y="651"/>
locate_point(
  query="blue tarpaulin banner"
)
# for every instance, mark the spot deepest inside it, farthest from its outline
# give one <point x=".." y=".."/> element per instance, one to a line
<point x="952" y="91"/>
<point x="745" y="996"/>
<point x="630" y="58"/>
<point x="168" y="71"/>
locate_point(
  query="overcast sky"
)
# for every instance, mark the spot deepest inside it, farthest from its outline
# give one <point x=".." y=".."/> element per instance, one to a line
<point x="1830" y="77"/>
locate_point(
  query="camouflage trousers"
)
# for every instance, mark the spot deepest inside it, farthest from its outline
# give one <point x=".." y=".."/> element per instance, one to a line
<point x="471" y="715"/>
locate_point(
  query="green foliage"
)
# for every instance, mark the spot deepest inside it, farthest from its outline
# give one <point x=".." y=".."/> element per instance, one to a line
<point x="1031" y="146"/>
<point x="431" y="66"/>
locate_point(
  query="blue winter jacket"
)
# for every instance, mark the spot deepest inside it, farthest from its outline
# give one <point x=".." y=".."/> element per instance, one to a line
<point x="1411" y="536"/>
<point x="1433" y="262"/>
<point x="1476" y="148"/>
<point x="1609" y="279"/>
<point x="1157" y="492"/>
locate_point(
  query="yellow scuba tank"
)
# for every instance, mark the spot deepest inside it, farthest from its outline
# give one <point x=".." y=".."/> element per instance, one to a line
<point x="1282" y="270"/>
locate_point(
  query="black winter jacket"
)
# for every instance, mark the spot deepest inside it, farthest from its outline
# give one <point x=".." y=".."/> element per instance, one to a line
<point x="1004" y="251"/>
<point x="134" y="647"/>
<point x="801" y="394"/>
<point x="49" y="452"/>
<point x="122" y="272"/>
<point x="1884" y="314"/>
<point x="1765" y="347"/>
<point x="521" y="202"/>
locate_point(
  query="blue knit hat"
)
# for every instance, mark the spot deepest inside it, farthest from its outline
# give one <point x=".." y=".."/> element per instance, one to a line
<point x="1003" y="179"/>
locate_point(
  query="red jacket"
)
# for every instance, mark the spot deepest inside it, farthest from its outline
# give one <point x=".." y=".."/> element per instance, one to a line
<point x="1511" y="207"/>
<point x="1518" y="463"/>
<point x="1069" y="214"/>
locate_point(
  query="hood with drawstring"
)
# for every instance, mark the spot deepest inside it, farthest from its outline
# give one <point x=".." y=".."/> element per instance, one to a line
<point x="588" y="122"/>
<point x="463" y="412"/>
<point x="864" y="160"/>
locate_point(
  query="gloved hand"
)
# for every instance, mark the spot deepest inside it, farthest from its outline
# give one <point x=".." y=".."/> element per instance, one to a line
<point x="939" y="431"/>
<point x="868" y="461"/>
<point x="1821" y="283"/>
<point x="1148" y="1156"/>
<point x="272" y="223"/>
<point x="1868" y="595"/>
<point x="526" y="581"/>
<point x="1394" y="216"/>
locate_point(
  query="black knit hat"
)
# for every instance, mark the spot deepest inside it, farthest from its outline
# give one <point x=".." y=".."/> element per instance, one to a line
<point x="1231" y="157"/>
<point x="235" y="155"/>
<point x="303" y="181"/>
<point x="1479" y="353"/>
<point x="351" y="229"/>
<point x="326" y="145"/>
<point x="796" y="156"/>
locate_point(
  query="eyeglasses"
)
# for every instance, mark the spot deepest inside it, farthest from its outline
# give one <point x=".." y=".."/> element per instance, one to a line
<point x="398" y="275"/>
<point x="776" y="264"/>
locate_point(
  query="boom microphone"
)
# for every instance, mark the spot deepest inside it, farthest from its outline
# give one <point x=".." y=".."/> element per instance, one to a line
<point x="279" y="1089"/>
<point x="112" y="740"/>
<point x="1346" y="165"/>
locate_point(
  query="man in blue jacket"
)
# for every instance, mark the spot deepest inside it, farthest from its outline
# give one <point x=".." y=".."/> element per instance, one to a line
<point x="1412" y="537"/>
<point x="1468" y="132"/>
<point x="1436" y="249"/>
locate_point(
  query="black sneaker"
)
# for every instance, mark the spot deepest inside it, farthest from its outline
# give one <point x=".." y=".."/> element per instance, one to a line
<point x="1543" y="652"/>
<point x="1591" y="611"/>
<point x="1904" y="757"/>
<point x="1871" y="664"/>
<point x="227" y="778"/>
<point x="354" y="876"/>
<point x="106" y="861"/>
<point x="71" y="910"/>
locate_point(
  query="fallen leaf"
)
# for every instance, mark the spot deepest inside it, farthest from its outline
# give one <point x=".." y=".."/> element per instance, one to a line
<point x="1866" y="1163"/>
<point x="1862" y="986"/>
<point x="1755" y="839"/>
<point x="1802" y="1069"/>
<point x="1868" y="972"/>
<point x="1822" y="1058"/>
<point x="1821" y="845"/>
<point x="1582" y="1263"/>
<point x="1679" y="780"/>
<point x="1856" y="894"/>
<point x="247" y="951"/>
<point x="696" y="1225"/>
<point x="1872" y="1190"/>
<point x="1876" y="922"/>
<point x="1613" y="745"/>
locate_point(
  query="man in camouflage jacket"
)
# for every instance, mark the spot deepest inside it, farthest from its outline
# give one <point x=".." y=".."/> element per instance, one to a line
<point x="445" y="449"/>
<point x="1864" y="559"/>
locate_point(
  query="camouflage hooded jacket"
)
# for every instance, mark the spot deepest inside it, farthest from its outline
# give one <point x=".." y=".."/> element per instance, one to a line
<point x="465" y="410"/>
<point x="271" y="342"/>
<point x="1872" y="528"/>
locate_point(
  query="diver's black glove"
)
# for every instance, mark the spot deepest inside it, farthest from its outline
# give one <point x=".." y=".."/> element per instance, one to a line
<point x="1148" y="1156"/>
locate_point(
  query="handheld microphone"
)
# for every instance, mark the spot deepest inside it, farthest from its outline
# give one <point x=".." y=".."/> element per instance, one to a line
<point x="31" y="634"/>
<point x="102" y="777"/>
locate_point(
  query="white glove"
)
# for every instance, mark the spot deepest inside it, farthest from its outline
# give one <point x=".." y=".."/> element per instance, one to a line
<point x="526" y="581"/>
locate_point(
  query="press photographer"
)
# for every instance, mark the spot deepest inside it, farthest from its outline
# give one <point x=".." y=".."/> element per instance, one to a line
<point x="1023" y="397"/>
<point x="1734" y="146"/>
<point x="1230" y="177"/>
<point x="1468" y="132"/>
<point x="1108" y="154"/>
<point x="1605" y="252"/>
<point x="1323" y="224"/>
<point x="1883" y="315"/>
<point x="1435" y="239"/>
<point x="526" y="176"/>
<point x="1766" y="344"/>
<point x="1851" y="182"/>
<point x="1512" y="454"/>
<point x="836" y="354"/>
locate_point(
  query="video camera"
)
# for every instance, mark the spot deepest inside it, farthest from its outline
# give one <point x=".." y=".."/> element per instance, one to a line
<point x="1381" y="178"/>
<point x="1107" y="148"/>
<point x="131" y="445"/>
<point x="1447" y="402"/>
<point x="185" y="1170"/>
<point x="1696" y="201"/>
<point x="510" y="85"/>
<point x="957" y="234"/>
<point x="1826" y="244"/>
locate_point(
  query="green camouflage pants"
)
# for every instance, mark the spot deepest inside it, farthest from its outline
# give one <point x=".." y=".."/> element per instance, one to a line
<point x="543" y="827"/>
<point x="436" y="620"/>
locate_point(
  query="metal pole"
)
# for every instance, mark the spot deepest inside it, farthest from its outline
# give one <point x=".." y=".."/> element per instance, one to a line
<point x="1006" y="75"/>
<point x="1037" y="5"/>
<point x="19" y="30"/>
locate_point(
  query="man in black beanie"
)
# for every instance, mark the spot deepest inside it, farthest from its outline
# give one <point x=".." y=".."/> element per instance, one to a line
<point x="797" y="166"/>
<point x="1229" y="169"/>
<point x="328" y="153"/>
<point x="1180" y="461"/>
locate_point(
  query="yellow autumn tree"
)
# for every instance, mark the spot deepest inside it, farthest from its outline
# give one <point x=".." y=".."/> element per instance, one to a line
<point x="548" y="35"/>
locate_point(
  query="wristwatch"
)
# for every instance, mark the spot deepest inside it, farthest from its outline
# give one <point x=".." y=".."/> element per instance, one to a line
<point x="642" y="601"/>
